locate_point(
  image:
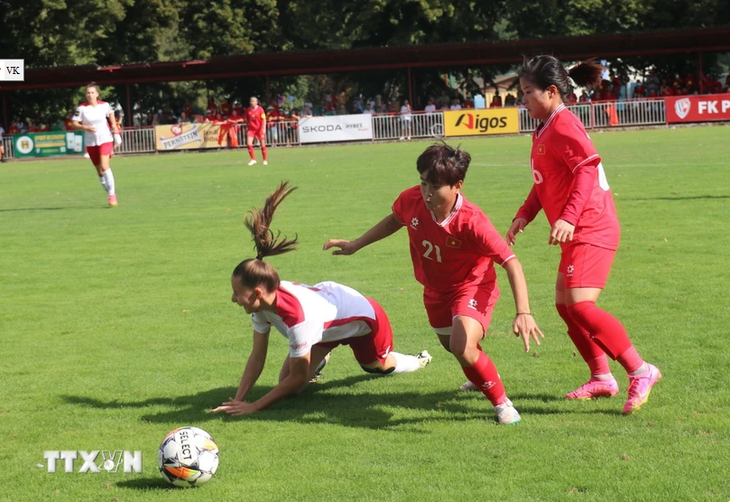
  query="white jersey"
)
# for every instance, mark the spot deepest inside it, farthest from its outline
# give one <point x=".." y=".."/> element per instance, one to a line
<point x="308" y="315"/>
<point x="95" y="116"/>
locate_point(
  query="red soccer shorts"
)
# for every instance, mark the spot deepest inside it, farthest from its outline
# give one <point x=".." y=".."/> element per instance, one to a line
<point x="95" y="152"/>
<point x="256" y="133"/>
<point x="376" y="345"/>
<point x="476" y="301"/>
<point x="585" y="265"/>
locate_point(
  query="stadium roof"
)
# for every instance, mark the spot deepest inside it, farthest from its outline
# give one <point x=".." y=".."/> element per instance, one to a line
<point x="385" y="58"/>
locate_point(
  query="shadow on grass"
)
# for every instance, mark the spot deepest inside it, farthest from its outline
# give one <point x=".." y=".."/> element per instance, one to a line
<point x="146" y="484"/>
<point x="323" y="403"/>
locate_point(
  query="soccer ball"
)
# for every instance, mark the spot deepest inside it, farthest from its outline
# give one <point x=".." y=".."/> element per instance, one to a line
<point x="188" y="457"/>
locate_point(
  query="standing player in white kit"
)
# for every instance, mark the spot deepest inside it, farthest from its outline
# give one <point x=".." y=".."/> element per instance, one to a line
<point x="93" y="117"/>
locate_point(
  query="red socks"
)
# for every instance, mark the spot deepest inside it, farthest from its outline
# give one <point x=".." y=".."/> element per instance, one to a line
<point x="484" y="375"/>
<point x="605" y="329"/>
<point x="251" y="152"/>
<point x="592" y="354"/>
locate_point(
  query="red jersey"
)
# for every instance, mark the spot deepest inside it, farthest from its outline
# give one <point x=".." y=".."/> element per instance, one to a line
<point x="570" y="183"/>
<point x="457" y="252"/>
<point x="255" y="118"/>
<point x="226" y="108"/>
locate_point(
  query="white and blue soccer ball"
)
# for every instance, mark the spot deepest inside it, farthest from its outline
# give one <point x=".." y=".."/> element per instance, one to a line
<point x="188" y="457"/>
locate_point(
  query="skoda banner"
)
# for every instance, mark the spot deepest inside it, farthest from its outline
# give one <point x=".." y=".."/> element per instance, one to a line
<point x="484" y="121"/>
<point x="336" y="128"/>
<point x="46" y="144"/>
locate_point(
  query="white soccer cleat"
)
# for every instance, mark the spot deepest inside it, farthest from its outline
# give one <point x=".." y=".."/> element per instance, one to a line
<point x="266" y="162"/>
<point x="468" y="386"/>
<point x="252" y="162"/>
<point x="506" y="413"/>
<point x="424" y="358"/>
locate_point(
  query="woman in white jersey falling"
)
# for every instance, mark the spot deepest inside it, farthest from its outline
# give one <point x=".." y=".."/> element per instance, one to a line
<point x="314" y="319"/>
<point x="93" y="117"/>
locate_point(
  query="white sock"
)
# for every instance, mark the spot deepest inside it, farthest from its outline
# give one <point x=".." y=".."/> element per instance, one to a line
<point x="405" y="363"/>
<point x="103" y="183"/>
<point x="109" y="178"/>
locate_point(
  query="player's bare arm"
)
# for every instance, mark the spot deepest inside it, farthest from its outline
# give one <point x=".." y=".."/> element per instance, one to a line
<point x="254" y="365"/>
<point x="524" y="324"/>
<point x="385" y="228"/>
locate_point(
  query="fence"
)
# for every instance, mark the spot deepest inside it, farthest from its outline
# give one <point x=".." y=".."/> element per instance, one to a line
<point x="602" y="114"/>
<point x="413" y="125"/>
<point x="137" y="140"/>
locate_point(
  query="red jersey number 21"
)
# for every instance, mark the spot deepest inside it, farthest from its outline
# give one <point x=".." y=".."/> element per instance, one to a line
<point x="429" y="249"/>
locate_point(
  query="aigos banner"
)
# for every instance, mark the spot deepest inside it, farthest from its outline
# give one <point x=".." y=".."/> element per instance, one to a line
<point x="195" y="136"/>
<point x="704" y="108"/>
<point x="46" y="144"/>
<point x="481" y="122"/>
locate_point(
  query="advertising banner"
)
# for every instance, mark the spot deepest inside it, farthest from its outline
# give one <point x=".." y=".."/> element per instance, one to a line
<point x="193" y="136"/>
<point x="704" y="108"/>
<point x="336" y="128"/>
<point x="46" y="144"/>
<point x="471" y="122"/>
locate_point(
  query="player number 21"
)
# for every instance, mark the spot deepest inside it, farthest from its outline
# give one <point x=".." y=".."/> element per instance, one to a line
<point x="429" y="249"/>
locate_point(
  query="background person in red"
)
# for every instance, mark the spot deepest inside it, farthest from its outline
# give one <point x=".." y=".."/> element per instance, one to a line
<point x="571" y="187"/>
<point x="93" y="117"/>
<point x="256" y="128"/>
<point x="453" y="249"/>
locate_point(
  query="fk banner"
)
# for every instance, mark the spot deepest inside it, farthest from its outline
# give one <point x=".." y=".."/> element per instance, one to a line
<point x="702" y="108"/>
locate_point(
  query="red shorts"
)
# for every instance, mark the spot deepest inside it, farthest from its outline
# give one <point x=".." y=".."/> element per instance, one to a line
<point x="376" y="345"/>
<point x="476" y="301"/>
<point x="95" y="152"/>
<point x="256" y="133"/>
<point x="585" y="265"/>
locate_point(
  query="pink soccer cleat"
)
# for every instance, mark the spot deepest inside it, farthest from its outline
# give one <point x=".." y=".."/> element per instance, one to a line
<point x="113" y="201"/>
<point x="640" y="387"/>
<point x="594" y="388"/>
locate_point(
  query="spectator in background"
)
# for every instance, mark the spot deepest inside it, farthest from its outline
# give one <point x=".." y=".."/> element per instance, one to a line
<point x="272" y="123"/>
<point x="406" y="116"/>
<point x="369" y="109"/>
<point x="183" y="118"/>
<point x="307" y="111"/>
<point x="455" y="105"/>
<point x="584" y="98"/>
<point x="14" y="127"/>
<point x="639" y="90"/>
<point x="468" y="102"/>
<point x="188" y="109"/>
<point x="496" y="100"/>
<point x="509" y="100"/>
<point x="423" y="97"/>
<point x="571" y="98"/>
<point x="212" y="108"/>
<point x="226" y="108"/>
<point x="431" y="106"/>
<point x="68" y="124"/>
<point x="443" y="100"/>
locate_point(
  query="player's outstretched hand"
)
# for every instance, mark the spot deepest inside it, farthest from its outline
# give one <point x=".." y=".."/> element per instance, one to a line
<point x="235" y="408"/>
<point x="524" y="325"/>
<point x="518" y="225"/>
<point x="561" y="233"/>
<point x="346" y="247"/>
<point x="117" y="139"/>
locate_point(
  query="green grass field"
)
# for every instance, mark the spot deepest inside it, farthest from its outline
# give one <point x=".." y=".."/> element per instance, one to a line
<point x="117" y="326"/>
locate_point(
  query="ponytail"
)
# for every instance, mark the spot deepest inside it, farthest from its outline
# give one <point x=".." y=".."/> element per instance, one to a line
<point x="586" y="74"/>
<point x="254" y="272"/>
<point x="258" y="222"/>
<point x="544" y="71"/>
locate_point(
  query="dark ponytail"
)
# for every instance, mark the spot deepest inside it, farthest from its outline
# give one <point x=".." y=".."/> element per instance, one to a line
<point x="544" y="71"/>
<point x="254" y="272"/>
<point x="258" y="222"/>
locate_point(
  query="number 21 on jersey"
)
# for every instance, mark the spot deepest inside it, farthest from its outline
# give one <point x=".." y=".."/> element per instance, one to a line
<point x="430" y="249"/>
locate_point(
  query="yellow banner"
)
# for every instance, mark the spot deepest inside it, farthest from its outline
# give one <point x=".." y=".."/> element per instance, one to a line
<point x="191" y="136"/>
<point x="483" y="121"/>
